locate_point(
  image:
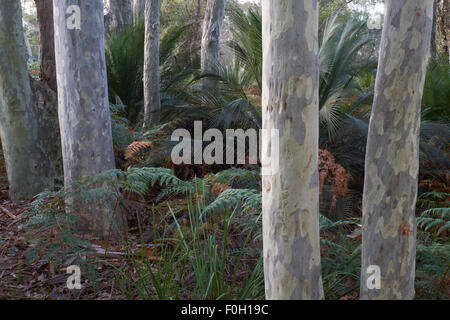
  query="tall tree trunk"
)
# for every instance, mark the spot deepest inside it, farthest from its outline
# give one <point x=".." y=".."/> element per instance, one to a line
<point x="44" y="10"/>
<point x="195" y="32"/>
<point x="152" y="86"/>
<point x="119" y="16"/>
<point x="443" y="21"/>
<point x="84" y="115"/>
<point x="28" y="47"/>
<point x="392" y="158"/>
<point x="30" y="146"/>
<point x="138" y="9"/>
<point x="210" y="51"/>
<point x="433" y="43"/>
<point x="292" y="268"/>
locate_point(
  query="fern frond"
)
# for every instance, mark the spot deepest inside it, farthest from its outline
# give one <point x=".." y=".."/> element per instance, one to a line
<point x="241" y="198"/>
<point x="135" y="148"/>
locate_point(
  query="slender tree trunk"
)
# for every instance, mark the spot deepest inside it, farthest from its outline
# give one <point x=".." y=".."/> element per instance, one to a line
<point x="119" y="16"/>
<point x="392" y="158"/>
<point x="138" y="9"/>
<point x="292" y="268"/>
<point x="47" y="42"/>
<point x="433" y="43"/>
<point x="443" y="22"/>
<point x="28" y="47"/>
<point x="152" y="101"/>
<point x="210" y="51"/>
<point x="84" y="116"/>
<point x="195" y="32"/>
<point x="30" y="145"/>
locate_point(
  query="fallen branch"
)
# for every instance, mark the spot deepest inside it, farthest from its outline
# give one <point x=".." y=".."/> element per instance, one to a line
<point x="8" y="213"/>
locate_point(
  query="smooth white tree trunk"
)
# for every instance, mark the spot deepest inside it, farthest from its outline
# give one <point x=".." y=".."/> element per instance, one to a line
<point x="392" y="156"/>
<point x="84" y="115"/>
<point x="138" y="9"/>
<point x="210" y="50"/>
<point x="290" y="98"/>
<point x="28" y="46"/>
<point x="28" y="125"/>
<point x="119" y="16"/>
<point x="152" y="77"/>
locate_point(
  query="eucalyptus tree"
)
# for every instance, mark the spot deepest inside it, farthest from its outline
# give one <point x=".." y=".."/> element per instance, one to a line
<point x="210" y="49"/>
<point x="195" y="31"/>
<point x="120" y="15"/>
<point x="138" y="9"/>
<point x="392" y="154"/>
<point x="152" y="76"/>
<point x="443" y="22"/>
<point x="27" y="116"/>
<point x="290" y="104"/>
<point x="84" y="114"/>
<point x="433" y="44"/>
<point x="44" y="9"/>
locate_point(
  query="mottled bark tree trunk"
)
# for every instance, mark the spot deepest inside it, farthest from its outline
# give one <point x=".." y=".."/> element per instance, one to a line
<point x="30" y="145"/>
<point x="44" y="10"/>
<point x="210" y="51"/>
<point x="292" y="268"/>
<point x="392" y="158"/>
<point x="152" y="86"/>
<point x="120" y="15"/>
<point x="84" y="116"/>
<point x="443" y="22"/>
<point x="138" y="9"/>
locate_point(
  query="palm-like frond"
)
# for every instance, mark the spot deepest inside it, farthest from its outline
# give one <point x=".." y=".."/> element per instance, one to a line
<point x="339" y="47"/>
<point x="349" y="145"/>
<point x="247" y="41"/>
<point x="125" y="61"/>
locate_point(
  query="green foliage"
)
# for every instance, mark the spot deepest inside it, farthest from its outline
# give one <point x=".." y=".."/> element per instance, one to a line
<point x="341" y="266"/>
<point x="348" y="145"/>
<point x="341" y="42"/>
<point x="197" y="251"/>
<point x="120" y="126"/>
<point x="125" y="62"/>
<point x="438" y="212"/>
<point x="197" y="241"/>
<point x="247" y="41"/>
<point x="239" y="198"/>
<point x="54" y="232"/>
<point x="159" y="280"/>
<point x="232" y="108"/>
<point x="240" y="178"/>
<point x="433" y="248"/>
<point x="436" y="97"/>
<point x="210" y="259"/>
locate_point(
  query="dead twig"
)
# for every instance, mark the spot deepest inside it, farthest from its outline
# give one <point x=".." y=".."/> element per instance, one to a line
<point x="8" y="213"/>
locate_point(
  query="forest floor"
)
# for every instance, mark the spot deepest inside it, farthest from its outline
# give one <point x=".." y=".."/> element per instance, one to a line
<point x="29" y="279"/>
<point x="24" y="279"/>
<point x="114" y="262"/>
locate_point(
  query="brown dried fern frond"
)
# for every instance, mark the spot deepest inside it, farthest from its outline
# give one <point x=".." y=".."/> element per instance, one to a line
<point x="334" y="174"/>
<point x="135" y="148"/>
